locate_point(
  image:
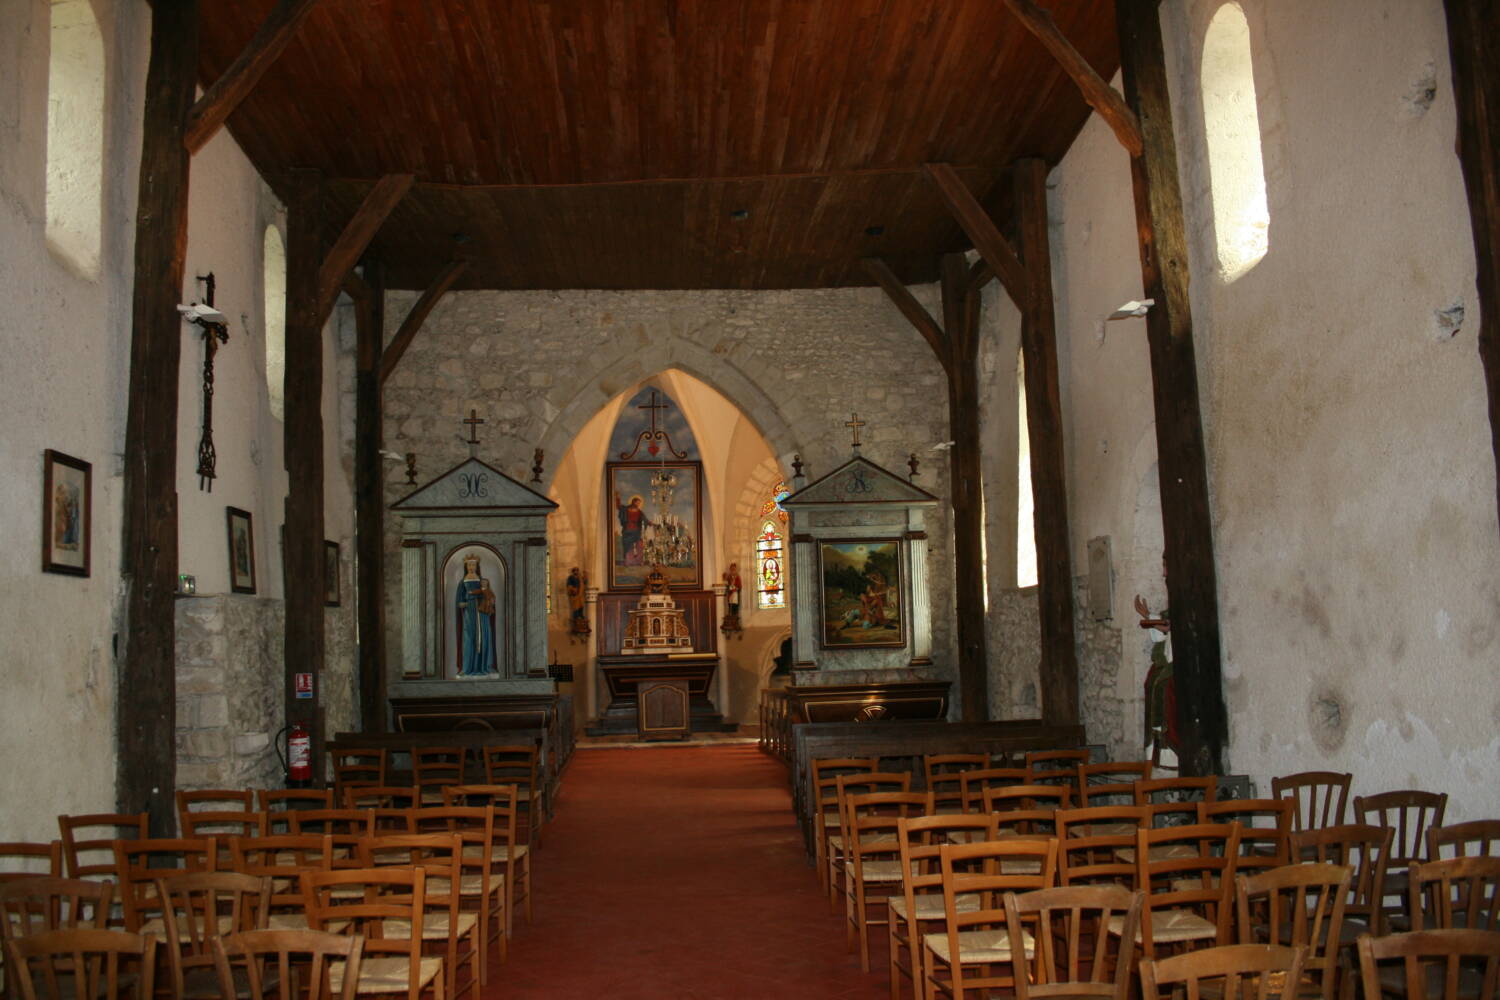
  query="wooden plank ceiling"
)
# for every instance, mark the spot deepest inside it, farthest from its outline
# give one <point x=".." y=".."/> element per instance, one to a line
<point x="659" y="143"/>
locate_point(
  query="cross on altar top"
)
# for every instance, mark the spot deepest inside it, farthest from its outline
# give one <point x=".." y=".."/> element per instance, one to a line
<point x="474" y="420"/>
<point x="855" y="425"/>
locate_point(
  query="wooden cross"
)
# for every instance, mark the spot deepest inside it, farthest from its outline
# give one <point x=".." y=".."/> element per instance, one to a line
<point x="474" y="420"/>
<point x="855" y="425"/>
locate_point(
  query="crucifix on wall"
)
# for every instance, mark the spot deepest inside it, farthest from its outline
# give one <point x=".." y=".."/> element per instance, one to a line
<point x="474" y="420"/>
<point x="854" y="425"/>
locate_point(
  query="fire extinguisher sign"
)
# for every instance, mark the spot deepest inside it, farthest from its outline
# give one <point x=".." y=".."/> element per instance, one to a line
<point x="304" y="686"/>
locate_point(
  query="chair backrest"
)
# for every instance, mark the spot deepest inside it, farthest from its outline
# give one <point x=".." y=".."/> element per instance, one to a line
<point x="1089" y="841"/>
<point x="1321" y="797"/>
<point x="278" y="803"/>
<point x="373" y="902"/>
<point x="972" y="784"/>
<point x="500" y="800"/>
<point x="1187" y="868"/>
<point x="308" y="952"/>
<point x="1174" y="801"/>
<point x="826" y="772"/>
<point x="282" y="858"/>
<point x="1027" y="810"/>
<point x="976" y="878"/>
<point x="510" y="764"/>
<point x="201" y="906"/>
<point x="1269" y="967"/>
<point x="347" y="827"/>
<point x="474" y="826"/>
<point x="1409" y="812"/>
<point x="139" y="863"/>
<point x="1055" y="767"/>
<point x="920" y="840"/>
<point x="941" y="772"/>
<point x="25" y="859"/>
<point x="1456" y="840"/>
<point x="1072" y="955"/>
<point x="212" y="800"/>
<point x="1364" y="849"/>
<point x="1420" y="952"/>
<point x="1111" y="782"/>
<point x="48" y="903"/>
<point x="1298" y="905"/>
<point x="223" y="823"/>
<point x="82" y="963"/>
<point x="434" y="767"/>
<point x="89" y="841"/>
<point x="1455" y="893"/>
<point x="381" y="796"/>
<point x="1265" y="829"/>
<point x="358" y="766"/>
<point x="857" y="785"/>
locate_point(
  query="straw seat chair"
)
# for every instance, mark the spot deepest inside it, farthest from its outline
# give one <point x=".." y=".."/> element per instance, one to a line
<point x="872" y="866"/>
<point x="286" y="960"/>
<point x="376" y="904"/>
<point x="1072" y="958"/>
<point x="973" y="784"/>
<point x="199" y="907"/>
<point x="519" y="764"/>
<point x="1091" y="840"/>
<point x="1302" y="906"/>
<point x="510" y="856"/>
<point x="836" y="841"/>
<point x="1451" y="964"/>
<point x="1111" y="782"/>
<point x="920" y="902"/>
<point x="139" y="863"/>
<point x="1187" y="875"/>
<point x="1321" y="798"/>
<point x="1456" y="840"/>
<point x="1462" y="893"/>
<point x="281" y="859"/>
<point x="942" y="774"/>
<point x="24" y="859"/>
<point x="1246" y="971"/>
<point x="443" y="925"/>
<point x="824" y="809"/>
<point x="1363" y="848"/>
<point x="1409" y="813"/>
<point x="83" y="962"/>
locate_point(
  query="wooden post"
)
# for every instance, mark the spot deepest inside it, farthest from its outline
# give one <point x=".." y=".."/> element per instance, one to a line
<point x="1044" y="420"/>
<point x="1192" y="586"/>
<point x="960" y="323"/>
<point x="146" y="767"/>
<point x="369" y="499"/>
<point x="304" y="454"/>
<point x="1474" y="51"/>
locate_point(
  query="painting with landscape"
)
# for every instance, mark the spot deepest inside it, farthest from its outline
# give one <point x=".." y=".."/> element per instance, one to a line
<point x="861" y="594"/>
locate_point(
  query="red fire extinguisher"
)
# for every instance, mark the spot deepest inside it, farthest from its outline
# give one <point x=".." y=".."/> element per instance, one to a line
<point x="298" y="759"/>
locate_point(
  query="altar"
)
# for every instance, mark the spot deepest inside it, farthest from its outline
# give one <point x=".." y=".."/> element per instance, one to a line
<point x="623" y="674"/>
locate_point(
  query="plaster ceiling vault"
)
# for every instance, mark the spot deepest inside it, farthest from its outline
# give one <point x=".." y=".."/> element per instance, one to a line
<point x="610" y="143"/>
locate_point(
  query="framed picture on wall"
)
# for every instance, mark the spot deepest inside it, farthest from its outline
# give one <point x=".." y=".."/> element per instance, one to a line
<point x="241" y="551"/>
<point x="331" y="573"/>
<point x="860" y="584"/>
<point x="654" y="512"/>
<point x="67" y="514"/>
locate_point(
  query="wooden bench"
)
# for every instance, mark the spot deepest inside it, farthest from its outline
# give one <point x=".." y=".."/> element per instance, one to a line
<point x="901" y="746"/>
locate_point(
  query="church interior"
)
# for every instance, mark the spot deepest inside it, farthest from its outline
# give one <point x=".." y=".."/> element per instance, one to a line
<point x="669" y="378"/>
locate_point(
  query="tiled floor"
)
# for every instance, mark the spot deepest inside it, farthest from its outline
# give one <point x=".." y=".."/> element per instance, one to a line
<point x="679" y="873"/>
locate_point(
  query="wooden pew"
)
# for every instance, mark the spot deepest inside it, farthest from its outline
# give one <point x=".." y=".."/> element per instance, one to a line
<point x="901" y="746"/>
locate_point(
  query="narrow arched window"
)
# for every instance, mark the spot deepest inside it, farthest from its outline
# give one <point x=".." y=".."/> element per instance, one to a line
<point x="1231" y="123"/>
<point x="770" y="552"/>
<point x="1025" y="507"/>
<point x="273" y="263"/>
<point x="75" y="137"/>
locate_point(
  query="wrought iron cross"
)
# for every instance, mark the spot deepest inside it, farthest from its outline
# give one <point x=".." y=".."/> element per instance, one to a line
<point x="474" y="420"/>
<point x="214" y="334"/>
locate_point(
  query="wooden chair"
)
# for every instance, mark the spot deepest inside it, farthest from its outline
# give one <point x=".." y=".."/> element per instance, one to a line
<point x="1027" y="810"/>
<point x="1461" y="893"/>
<point x="212" y="800"/>
<point x="972" y="784"/>
<point x="481" y="885"/>
<point x="279" y="803"/>
<point x="518" y="764"/>
<point x="222" y="825"/>
<point x="357" y="766"/>
<point x="1055" y="767"/>
<point x="1451" y="964"/>
<point x="1363" y="848"/>
<point x="1409" y="813"/>
<point x="872" y="866"/>
<point x="1174" y="801"/>
<point x="1073" y="957"/>
<point x="838" y="840"/>
<point x="83" y="963"/>
<point x="824" y="809"/>
<point x="347" y="827"/>
<point x="1321" y="797"/>
<point x="1089" y="843"/>
<point x="282" y="859"/>
<point x="510" y="856"/>
<point x="139" y="863"/>
<point x="974" y="941"/>
<point x="1265" y="830"/>
<point x="50" y="903"/>
<point x="941" y="772"/>
<point x="378" y="903"/>
<point x="299" y="957"/>
<point x="1299" y="905"/>
<point x="24" y="859"/>
<point x="199" y="907"/>
<point x="433" y="768"/>
<point x="920" y="902"/>
<point x="1457" y="840"/>
<point x="443" y="925"/>
<point x="1227" y="971"/>
<point x="88" y="842"/>
<point x="382" y="797"/>
<point x="1187" y="875"/>
<point x="1111" y="782"/>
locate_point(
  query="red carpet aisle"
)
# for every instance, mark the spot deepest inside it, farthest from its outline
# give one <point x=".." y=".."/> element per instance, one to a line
<point x="679" y="872"/>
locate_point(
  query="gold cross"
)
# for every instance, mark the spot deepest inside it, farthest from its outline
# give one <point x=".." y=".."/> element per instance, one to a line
<point x="855" y="425"/>
<point x="474" y="421"/>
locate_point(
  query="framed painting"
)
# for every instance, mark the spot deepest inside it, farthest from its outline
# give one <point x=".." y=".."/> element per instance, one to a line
<point x="241" y="551"/>
<point x="860" y="593"/>
<point x="67" y="514"/>
<point x="330" y="573"/>
<point x="655" y="519"/>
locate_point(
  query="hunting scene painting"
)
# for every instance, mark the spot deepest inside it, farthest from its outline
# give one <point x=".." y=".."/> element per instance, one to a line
<point x="861" y="594"/>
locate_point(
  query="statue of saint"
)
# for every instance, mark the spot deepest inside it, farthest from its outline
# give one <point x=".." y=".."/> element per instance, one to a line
<point x="475" y="621"/>
<point x="732" y="587"/>
<point x="1160" y="689"/>
<point x="578" y="581"/>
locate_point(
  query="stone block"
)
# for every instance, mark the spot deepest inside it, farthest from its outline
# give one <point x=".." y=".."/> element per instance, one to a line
<point x="252" y="744"/>
<point x="210" y="711"/>
<point x="199" y="680"/>
<point x="193" y="775"/>
<point x="206" y="744"/>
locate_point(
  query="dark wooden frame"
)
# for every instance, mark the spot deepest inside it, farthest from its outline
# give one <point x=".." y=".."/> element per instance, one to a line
<point x="332" y="592"/>
<point x="823" y="642"/>
<point x="230" y="513"/>
<point x="85" y="517"/>
<point x="610" y="469"/>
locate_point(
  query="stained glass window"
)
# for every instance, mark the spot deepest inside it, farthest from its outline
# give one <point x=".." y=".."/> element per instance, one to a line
<point x="770" y="580"/>
<point x="778" y="494"/>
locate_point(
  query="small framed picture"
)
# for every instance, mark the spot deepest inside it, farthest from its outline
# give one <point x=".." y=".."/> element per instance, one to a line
<point x="67" y="514"/>
<point x="331" y="573"/>
<point x="241" y="551"/>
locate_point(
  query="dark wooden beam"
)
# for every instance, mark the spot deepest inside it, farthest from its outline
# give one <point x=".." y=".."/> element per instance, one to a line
<point x="1044" y="421"/>
<point x="356" y="237"/>
<point x="980" y="274"/>
<point x="219" y="101"/>
<point x="976" y="224"/>
<point x="146" y="707"/>
<point x="1192" y="585"/>
<point x="412" y="324"/>
<point x="356" y="288"/>
<point x="1474" y="52"/>
<point x="966" y="485"/>
<point x="369" y="496"/>
<point x="914" y="311"/>
<point x="1096" y="90"/>
<point x="303" y="446"/>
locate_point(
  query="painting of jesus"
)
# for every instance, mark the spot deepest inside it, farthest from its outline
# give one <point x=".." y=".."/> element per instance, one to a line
<point x="653" y="514"/>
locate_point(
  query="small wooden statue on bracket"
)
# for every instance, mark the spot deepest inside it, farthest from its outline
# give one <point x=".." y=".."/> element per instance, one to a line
<point x="732" y="586"/>
<point x="577" y="586"/>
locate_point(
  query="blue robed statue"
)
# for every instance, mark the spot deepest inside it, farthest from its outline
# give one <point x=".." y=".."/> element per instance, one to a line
<point x="475" y="604"/>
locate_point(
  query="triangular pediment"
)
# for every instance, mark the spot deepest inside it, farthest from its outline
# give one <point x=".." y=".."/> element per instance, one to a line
<point x="859" y="482"/>
<point x="473" y="486"/>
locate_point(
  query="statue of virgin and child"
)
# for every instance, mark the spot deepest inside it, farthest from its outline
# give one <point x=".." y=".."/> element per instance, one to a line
<point x="475" y="622"/>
